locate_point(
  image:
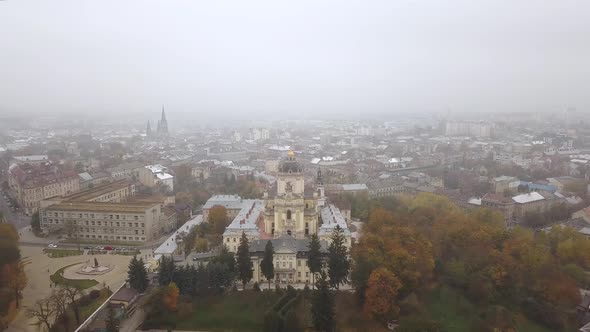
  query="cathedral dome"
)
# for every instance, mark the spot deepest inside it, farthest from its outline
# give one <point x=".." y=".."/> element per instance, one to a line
<point x="290" y="164"/>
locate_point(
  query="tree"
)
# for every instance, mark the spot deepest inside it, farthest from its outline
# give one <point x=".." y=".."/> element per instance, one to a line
<point x="137" y="275"/>
<point x="314" y="258"/>
<point x="73" y="293"/>
<point x="338" y="262"/>
<point x="166" y="270"/>
<point x="245" y="265"/>
<point x="226" y="258"/>
<point x="170" y="298"/>
<point x="380" y="295"/>
<point x="17" y="279"/>
<point x="267" y="265"/>
<point x="218" y="218"/>
<point x="322" y="306"/>
<point x="59" y="301"/>
<point x="35" y="222"/>
<point x="43" y="311"/>
<point x="112" y="323"/>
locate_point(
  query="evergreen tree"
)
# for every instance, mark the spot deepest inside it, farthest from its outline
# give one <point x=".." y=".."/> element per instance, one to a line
<point x="322" y="306"/>
<point x="338" y="262"/>
<point x="166" y="270"/>
<point x="266" y="265"/>
<point x="218" y="277"/>
<point x="137" y="275"/>
<point x="227" y="258"/>
<point x="314" y="258"/>
<point x="112" y="323"/>
<point x="245" y="265"/>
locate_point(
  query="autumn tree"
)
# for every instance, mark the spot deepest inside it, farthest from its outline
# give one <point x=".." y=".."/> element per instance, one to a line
<point x="244" y="262"/>
<point x="267" y="265"/>
<point x="314" y="258"/>
<point x="381" y="293"/>
<point x="170" y="297"/>
<point x="218" y="218"/>
<point x="338" y="261"/>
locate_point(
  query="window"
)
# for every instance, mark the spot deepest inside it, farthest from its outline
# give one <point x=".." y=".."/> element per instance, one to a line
<point x="298" y="262"/>
<point x="298" y="274"/>
<point x="288" y="214"/>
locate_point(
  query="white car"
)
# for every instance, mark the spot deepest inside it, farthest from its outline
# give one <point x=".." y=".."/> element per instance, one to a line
<point x="51" y="245"/>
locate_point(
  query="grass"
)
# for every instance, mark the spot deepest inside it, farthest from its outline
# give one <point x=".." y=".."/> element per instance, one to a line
<point x="103" y="242"/>
<point x="58" y="278"/>
<point x="349" y="317"/>
<point x="56" y="253"/>
<point x="456" y="313"/>
<point x="246" y="310"/>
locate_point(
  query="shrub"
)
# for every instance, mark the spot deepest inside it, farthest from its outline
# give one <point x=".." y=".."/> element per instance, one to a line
<point x="94" y="294"/>
<point x="256" y="287"/>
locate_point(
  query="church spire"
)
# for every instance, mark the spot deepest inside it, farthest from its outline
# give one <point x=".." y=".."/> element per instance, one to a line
<point x="163" y="114"/>
<point x="148" y="131"/>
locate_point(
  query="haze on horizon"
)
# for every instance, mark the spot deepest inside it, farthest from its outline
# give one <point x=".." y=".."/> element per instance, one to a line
<point x="220" y="58"/>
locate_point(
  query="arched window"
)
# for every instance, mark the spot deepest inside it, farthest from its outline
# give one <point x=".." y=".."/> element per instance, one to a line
<point x="288" y="214"/>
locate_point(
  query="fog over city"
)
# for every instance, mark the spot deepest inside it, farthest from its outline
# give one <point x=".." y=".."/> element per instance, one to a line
<point x="291" y="166"/>
<point x="213" y="59"/>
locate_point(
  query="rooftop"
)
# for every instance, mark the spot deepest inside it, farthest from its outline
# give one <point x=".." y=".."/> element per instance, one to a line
<point x="245" y="220"/>
<point x="528" y="198"/>
<point x="95" y="192"/>
<point x="332" y="217"/>
<point x="169" y="246"/>
<point x="228" y="201"/>
<point x="134" y="207"/>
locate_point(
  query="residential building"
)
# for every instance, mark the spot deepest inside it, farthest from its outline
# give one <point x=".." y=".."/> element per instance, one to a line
<point x="33" y="183"/>
<point x="153" y="175"/>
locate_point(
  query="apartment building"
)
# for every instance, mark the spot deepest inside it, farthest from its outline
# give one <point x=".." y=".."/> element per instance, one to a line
<point x="33" y="183"/>
<point x="153" y="175"/>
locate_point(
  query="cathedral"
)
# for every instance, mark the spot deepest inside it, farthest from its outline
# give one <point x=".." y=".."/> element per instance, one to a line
<point x="287" y="215"/>
<point x="161" y="129"/>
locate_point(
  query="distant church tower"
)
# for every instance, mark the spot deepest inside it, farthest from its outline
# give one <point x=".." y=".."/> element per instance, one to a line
<point x="148" y="131"/>
<point x="163" y="125"/>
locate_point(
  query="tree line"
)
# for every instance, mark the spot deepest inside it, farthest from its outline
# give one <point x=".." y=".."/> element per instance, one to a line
<point x="426" y="241"/>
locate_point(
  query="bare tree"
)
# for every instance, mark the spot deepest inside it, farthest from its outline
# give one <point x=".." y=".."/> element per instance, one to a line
<point x="60" y="302"/>
<point x="73" y="293"/>
<point x="43" y="311"/>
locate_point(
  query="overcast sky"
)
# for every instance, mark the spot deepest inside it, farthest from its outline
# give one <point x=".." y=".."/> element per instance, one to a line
<point x="312" y="57"/>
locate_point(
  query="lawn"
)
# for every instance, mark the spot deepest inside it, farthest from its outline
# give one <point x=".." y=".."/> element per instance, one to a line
<point x="456" y="313"/>
<point x="56" y="253"/>
<point x="58" y="278"/>
<point x="246" y="310"/>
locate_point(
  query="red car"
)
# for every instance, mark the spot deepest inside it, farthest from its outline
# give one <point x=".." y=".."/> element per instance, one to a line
<point x="107" y="248"/>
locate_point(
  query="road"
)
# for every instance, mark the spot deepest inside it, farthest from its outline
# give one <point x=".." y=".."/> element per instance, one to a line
<point x="19" y="221"/>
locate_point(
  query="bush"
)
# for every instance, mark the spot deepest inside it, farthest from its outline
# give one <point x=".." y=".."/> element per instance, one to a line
<point x="84" y="300"/>
<point x="291" y="292"/>
<point x="256" y="287"/>
<point x="94" y="294"/>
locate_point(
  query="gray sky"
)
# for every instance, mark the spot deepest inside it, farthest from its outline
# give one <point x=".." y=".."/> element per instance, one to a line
<point x="313" y="57"/>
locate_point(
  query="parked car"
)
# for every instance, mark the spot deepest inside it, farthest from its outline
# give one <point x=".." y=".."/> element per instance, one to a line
<point x="107" y="248"/>
<point x="51" y="245"/>
<point x="87" y="248"/>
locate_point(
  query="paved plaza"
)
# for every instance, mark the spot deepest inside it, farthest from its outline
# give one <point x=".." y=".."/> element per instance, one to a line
<point x="42" y="267"/>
